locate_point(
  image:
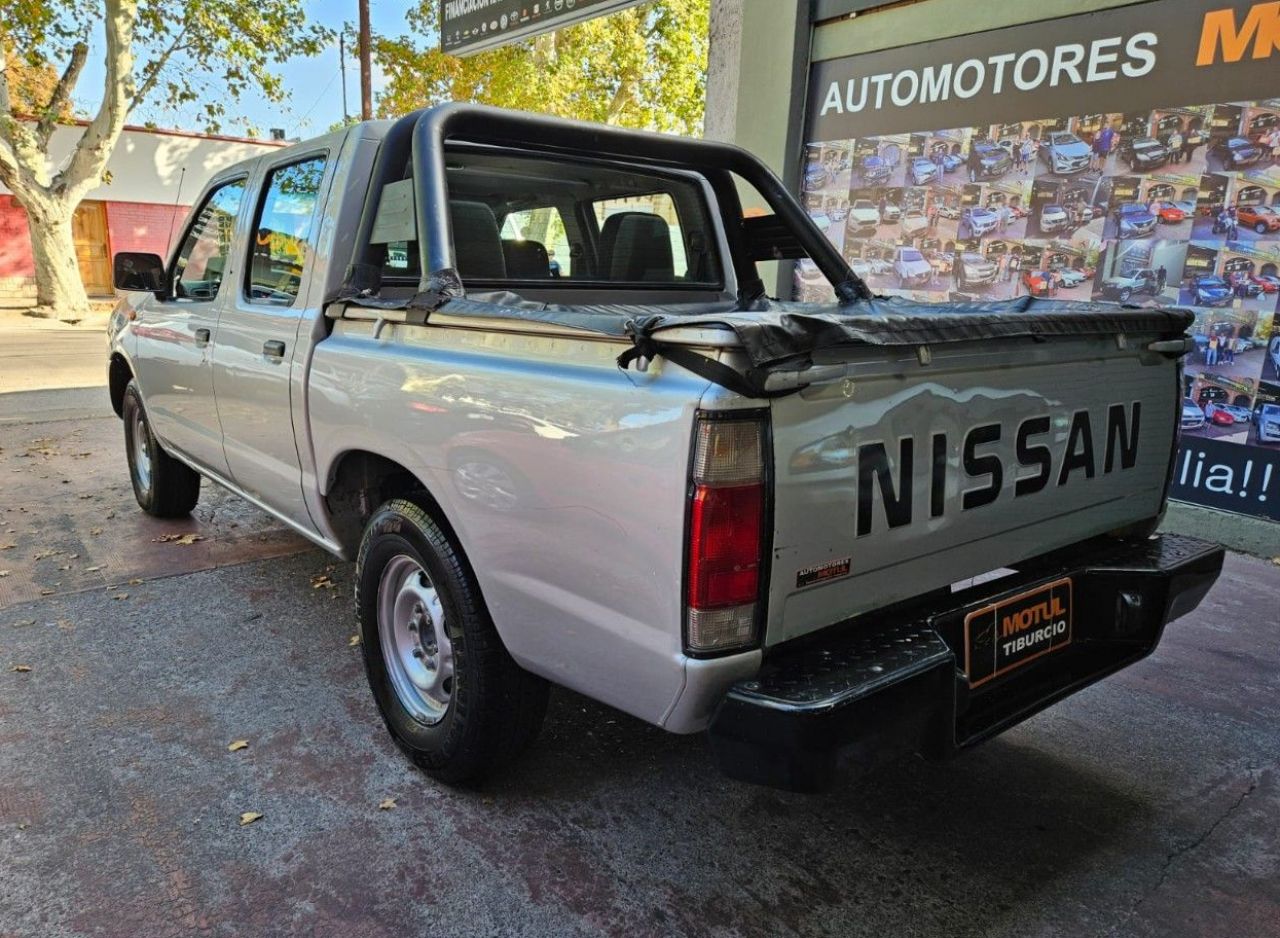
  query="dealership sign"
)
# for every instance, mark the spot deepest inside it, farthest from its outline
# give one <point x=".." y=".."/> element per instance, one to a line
<point x="469" y="26"/>
<point x="1129" y="155"/>
<point x="1131" y="58"/>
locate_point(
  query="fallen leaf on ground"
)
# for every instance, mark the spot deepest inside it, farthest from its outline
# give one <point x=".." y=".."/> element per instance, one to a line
<point x="92" y="569"/>
<point x="183" y="539"/>
<point x="238" y="744"/>
<point x="249" y="817"/>
<point x="321" y="581"/>
<point x="95" y="531"/>
<point x="46" y="592"/>
<point x="7" y="546"/>
<point x="21" y="668"/>
<point x="3" y="574"/>
<point x="135" y="581"/>
<point x="354" y="641"/>
<point x="120" y="596"/>
<point x="44" y="554"/>
<point x="386" y="804"/>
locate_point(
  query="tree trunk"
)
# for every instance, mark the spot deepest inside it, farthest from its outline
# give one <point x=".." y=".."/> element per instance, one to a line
<point x="60" y="293"/>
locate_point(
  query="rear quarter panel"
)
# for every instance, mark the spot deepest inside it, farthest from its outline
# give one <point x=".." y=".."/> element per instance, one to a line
<point x="563" y="478"/>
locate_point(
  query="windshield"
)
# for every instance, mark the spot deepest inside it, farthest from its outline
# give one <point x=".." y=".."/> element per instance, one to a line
<point x="1060" y="139"/>
<point x="916" y="256"/>
<point x="863" y="204"/>
<point x="1132" y="208"/>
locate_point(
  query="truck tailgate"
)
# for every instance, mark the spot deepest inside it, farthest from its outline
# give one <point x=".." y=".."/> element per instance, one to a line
<point x="917" y="470"/>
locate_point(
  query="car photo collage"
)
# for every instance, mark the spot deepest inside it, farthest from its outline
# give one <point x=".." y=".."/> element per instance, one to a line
<point x="1175" y="206"/>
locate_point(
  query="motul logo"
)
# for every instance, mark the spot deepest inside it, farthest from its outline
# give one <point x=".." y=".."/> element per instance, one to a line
<point x="1221" y="33"/>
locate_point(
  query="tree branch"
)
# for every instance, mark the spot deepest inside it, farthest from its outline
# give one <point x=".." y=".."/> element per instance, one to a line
<point x="22" y="162"/>
<point x="89" y="159"/>
<point x="155" y="67"/>
<point x="61" y="96"/>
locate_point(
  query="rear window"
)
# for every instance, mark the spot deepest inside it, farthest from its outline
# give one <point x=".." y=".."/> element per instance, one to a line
<point x="520" y="219"/>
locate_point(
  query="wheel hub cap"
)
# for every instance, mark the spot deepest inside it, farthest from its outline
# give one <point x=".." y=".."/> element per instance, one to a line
<point x="141" y="451"/>
<point x="415" y="644"/>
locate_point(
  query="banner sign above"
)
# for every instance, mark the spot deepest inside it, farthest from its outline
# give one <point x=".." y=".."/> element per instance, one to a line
<point x="470" y="26"/>
<point x="1131" y="58"/>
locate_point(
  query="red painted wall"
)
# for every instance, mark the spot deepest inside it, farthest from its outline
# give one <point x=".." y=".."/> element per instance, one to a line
<point x="140" y="226"/>
<point x="131" y="226"/>
<point x="15" y="245"/>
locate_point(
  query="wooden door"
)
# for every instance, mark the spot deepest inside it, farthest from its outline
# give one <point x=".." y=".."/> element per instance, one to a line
<point x="93" y="250"/>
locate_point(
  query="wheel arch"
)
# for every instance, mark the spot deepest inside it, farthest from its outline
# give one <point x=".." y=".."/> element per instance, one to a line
<point x="119" y="374"/>
<point x="359" y="480"/>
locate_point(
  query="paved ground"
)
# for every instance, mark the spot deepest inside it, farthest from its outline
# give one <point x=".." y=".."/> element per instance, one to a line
<point x="1145" y="806"/>
<point x="39" y="354"/>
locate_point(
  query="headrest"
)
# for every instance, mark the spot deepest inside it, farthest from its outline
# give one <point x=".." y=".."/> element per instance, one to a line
<point x="526" y="260"/>
<point x="636" y="246"/>
<point x="477" y="244"/>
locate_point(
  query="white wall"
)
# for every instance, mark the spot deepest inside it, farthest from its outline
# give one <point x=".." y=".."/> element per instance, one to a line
<point x="147" y="166"/>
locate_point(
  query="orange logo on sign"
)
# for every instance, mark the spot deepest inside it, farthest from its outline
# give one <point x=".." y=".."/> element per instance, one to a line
<point x="1015" y="622"/>
<point x="1220" y="32"/>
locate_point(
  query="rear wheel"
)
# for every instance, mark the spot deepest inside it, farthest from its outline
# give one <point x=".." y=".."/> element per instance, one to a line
<point x="450" y="694"/>
<point x="163" y="486"/>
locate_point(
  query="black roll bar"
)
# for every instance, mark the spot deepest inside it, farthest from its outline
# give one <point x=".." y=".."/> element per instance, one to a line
<point x="430" y="128"/>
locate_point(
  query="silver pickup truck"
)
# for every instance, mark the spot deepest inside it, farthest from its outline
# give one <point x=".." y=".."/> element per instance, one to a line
<point x="526" y="374"/>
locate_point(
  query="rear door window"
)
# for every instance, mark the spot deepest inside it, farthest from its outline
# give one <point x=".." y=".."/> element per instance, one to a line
<point x="281" y="243"/>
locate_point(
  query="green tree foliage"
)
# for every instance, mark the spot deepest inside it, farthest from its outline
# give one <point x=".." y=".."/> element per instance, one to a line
<point x="643" y="67"/>
<point x="175" y="52"/>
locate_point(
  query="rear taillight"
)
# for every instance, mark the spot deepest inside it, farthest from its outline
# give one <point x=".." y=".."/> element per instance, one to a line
<point x="726" y="534"/>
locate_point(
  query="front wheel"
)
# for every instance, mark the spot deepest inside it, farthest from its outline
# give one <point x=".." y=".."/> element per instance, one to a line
<point x="163" y="486"/>
<point x="1260" y="227"/>
<point x="450" y="694"/>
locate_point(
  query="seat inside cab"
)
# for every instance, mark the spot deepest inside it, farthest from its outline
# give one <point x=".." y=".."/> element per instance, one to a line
<point x="571" y="232"/>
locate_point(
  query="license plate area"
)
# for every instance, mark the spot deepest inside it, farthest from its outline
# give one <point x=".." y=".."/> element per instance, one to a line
<point x="1004" y="635"/>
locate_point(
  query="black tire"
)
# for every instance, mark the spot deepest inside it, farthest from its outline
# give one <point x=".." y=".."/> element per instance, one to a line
<point x="495" y="707"/>
<point x="1125" y="295"/>
<point x="1260" y="227"/>
<point x="164" y="487"/>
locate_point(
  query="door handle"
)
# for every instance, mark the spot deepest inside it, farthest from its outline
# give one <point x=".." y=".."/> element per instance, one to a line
<point x="202" y="338"/>
<point x="273" y="349"/>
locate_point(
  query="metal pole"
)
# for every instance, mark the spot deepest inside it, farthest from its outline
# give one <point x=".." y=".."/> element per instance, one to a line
<point x="366" y="79"/>
<point x="342" y="67"/>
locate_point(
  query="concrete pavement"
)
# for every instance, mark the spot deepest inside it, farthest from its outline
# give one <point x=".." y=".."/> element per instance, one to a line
<point x="41" y="354"/>
<point x="1144" y="806"/>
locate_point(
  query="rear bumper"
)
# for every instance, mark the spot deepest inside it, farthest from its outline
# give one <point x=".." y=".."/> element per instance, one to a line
<point x="880" y="686"/>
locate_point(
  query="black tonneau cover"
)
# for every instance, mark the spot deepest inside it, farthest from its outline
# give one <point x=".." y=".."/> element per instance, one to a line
<point x="786" y="335"/>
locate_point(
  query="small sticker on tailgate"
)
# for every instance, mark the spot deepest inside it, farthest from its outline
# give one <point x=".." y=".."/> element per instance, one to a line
<point x="823" y="572"/>
<point x="1014" y="631"/>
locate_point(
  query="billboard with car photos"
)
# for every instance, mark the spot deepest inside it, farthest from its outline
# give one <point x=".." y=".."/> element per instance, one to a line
<point x="1129" y="156"/>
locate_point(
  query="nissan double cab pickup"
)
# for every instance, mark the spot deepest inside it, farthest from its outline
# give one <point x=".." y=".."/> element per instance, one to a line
<point x="820" y="533"/>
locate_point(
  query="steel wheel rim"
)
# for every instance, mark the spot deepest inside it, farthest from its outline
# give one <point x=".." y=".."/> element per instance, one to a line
<point x="141" y="451"/>
<point x="415" y="644"/>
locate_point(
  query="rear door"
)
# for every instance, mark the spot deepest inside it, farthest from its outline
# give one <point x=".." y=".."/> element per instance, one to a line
<point x="256" y="372"/>
<point x="175" y="337"/>
<point x="907" y="477"/>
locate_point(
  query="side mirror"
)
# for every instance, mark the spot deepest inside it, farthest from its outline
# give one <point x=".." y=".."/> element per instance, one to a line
<point x="136" y="272"/>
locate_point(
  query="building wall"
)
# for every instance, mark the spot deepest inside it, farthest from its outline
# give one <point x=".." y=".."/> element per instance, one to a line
<point x="139" y="226"/>
<point x="17" y="273"/>
<point x="159" y="167"/>
<point x="152" y="176"/>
